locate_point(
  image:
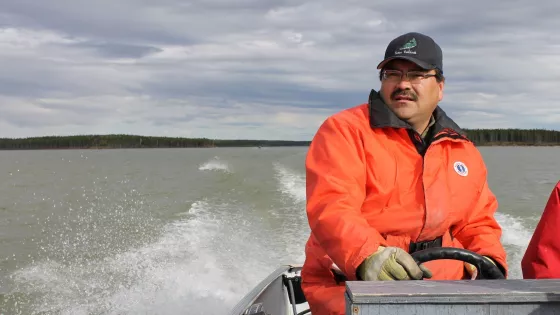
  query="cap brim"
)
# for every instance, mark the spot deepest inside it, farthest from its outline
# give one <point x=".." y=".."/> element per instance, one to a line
<point x="420" y="63"/>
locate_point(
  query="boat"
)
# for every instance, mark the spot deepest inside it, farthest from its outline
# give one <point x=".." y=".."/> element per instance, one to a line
<point x="280" y="292"/>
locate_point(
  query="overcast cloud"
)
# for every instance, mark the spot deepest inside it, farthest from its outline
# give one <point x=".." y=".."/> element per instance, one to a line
<point x="257" y="69"/>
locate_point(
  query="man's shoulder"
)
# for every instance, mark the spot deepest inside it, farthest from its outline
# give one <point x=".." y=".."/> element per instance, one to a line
<point x="355" y="115"/>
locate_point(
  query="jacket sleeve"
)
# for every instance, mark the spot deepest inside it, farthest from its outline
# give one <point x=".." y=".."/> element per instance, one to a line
<point x="542" y="257"/>
<point x="480" y="232"/>
<point x="336" y="189"/>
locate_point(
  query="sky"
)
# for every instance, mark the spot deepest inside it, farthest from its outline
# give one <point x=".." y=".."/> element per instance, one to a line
<point x="255" y="69"/>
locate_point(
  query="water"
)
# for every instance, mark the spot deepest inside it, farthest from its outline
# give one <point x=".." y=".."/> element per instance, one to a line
<point x="186" y="231"/>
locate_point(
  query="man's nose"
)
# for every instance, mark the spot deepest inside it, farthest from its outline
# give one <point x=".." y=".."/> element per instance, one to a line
<point x="404" y="84"/>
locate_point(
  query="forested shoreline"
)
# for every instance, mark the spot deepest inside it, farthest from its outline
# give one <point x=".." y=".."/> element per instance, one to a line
<point x="481" y="137"/>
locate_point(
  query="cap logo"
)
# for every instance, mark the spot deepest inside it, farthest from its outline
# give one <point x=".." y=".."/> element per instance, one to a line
<point x="461" y="168"/>
<point x="407" y="48"/>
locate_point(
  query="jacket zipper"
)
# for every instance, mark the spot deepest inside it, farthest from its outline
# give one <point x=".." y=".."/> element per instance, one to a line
<point x="424" y="191"/>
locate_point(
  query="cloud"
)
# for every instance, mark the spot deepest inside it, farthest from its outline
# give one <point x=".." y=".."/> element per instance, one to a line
<point x="111" y="50"/>
<point x="253" y="69"/>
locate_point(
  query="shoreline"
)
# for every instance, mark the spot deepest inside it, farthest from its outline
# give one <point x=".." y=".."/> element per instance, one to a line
<point x="245" y="146"/>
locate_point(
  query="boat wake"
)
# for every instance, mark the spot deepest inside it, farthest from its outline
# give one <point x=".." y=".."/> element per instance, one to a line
<point x="515" y="238"/>
<point x="198" y="265"/>
<point x="292" y="184"/>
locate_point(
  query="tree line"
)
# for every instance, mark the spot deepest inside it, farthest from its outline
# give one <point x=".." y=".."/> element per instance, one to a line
<point x="480" y="137"/>
<point x="121" y="141"/>
<point x="513" y="136"/>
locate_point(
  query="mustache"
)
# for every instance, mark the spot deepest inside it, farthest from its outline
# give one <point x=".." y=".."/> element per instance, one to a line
<point x="404" y="93"/>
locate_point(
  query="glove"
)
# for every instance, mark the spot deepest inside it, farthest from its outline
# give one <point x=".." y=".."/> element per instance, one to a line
<point x="391" y="263"/>
<point x="473" y="271"/>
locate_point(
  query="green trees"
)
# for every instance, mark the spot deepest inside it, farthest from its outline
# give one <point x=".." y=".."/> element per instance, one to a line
<point x="514" y="136"/>
<point x="131" y="141"/>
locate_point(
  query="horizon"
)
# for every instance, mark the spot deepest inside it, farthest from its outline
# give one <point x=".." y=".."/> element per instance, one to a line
<point x="261" y="70"/>
<point x="242" y="139"/>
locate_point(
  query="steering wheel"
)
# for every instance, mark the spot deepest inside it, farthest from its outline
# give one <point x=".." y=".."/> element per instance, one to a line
<point x="486" y="269"/>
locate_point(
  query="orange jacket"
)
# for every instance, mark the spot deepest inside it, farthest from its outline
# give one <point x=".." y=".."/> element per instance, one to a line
<point x="542" y="257"/>
<point x="368" y="184"/>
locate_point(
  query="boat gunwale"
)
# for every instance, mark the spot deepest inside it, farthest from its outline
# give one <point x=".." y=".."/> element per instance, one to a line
<point x="253" y="295"/>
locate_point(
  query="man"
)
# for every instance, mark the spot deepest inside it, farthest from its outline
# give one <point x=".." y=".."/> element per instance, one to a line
<point x="542" y="257"/>
<point x="393" y="176"/>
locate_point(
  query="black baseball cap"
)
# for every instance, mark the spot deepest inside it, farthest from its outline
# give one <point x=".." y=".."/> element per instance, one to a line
<point x="416" y="47"/>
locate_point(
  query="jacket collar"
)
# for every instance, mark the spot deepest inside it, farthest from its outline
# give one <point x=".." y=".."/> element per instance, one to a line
<point x="381" y="116"/>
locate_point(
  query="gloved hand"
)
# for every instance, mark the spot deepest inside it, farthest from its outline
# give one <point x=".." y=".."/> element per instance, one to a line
<point x="391" y="263"/>
<point x="473" y="271"/>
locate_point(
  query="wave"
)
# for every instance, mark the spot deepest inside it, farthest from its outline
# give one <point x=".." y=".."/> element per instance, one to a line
<point x="215" y="164"/>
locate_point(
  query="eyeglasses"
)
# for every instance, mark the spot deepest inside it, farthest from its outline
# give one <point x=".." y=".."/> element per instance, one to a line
<point x="414" y="77"/>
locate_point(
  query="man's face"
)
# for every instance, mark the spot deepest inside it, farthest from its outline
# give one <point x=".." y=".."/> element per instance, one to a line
<point x="413" y="101"/>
